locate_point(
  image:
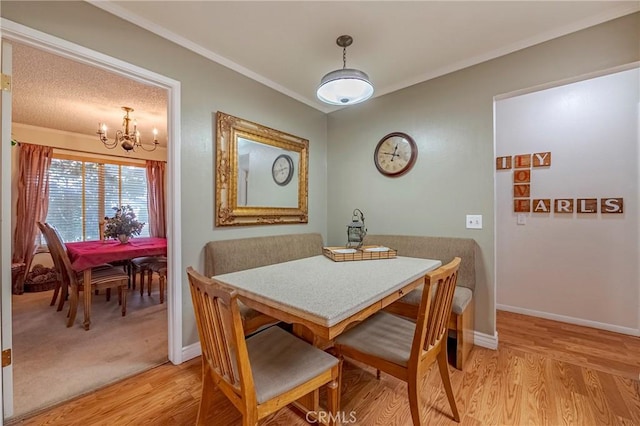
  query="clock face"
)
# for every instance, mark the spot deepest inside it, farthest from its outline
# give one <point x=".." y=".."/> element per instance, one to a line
<point x="395" y="154"/>
<point x="282" y="169"/>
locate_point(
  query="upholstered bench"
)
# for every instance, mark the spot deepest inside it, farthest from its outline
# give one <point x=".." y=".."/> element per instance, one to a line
<point x="461" y="323"/>
<point x="226" y="256"/>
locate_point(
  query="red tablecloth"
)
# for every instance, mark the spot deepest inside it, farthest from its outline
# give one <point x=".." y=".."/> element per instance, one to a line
<point x="87" y="254"/>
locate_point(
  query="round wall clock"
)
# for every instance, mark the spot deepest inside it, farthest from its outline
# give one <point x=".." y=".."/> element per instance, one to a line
<point x="282" y="169"/>
<point x="395" y="154"/>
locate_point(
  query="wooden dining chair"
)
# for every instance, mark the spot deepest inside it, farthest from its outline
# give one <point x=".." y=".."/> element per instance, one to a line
<point x="406" y="349"/>
<point x="60" y="287"/>
<point x="140" y="265"/>
<point x="261" y="374"/>
<point x="106" y="277"/>
<point x="160" y="268"/>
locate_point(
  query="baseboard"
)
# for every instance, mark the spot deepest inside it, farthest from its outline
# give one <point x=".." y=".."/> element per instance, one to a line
<point x="570" y="320"/>
<point x="485" y="340"/>
<point x="192" y="351"/>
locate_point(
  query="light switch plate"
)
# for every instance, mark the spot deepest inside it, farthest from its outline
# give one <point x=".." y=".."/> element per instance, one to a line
<point x="522" y="219"/>
<point x="474" y="221"/>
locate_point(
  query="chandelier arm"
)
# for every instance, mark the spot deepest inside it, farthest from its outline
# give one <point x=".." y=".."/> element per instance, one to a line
<point x="155" y="145"/>
<point x="112" y="144"/>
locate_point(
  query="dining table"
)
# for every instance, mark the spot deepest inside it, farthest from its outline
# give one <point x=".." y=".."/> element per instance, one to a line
<point x="322" y="298"/>
<point x="85" y="255"/>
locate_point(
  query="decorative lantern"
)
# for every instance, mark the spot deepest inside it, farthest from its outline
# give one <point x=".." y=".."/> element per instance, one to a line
<point x="356" y="230"/>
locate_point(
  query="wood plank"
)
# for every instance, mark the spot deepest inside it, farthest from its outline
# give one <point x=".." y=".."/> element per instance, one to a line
<point x="533" y="378"/>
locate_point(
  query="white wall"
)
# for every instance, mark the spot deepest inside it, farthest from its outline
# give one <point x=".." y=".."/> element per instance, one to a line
<point x="577" y="267"/>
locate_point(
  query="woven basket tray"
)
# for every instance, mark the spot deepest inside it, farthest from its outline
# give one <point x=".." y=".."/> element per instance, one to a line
<point x="363" y="253"/>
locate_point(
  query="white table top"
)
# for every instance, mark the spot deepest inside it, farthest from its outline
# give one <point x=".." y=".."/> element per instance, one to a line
<point x="328" y="291"/>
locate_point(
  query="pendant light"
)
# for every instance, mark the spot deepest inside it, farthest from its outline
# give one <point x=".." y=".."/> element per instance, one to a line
<point x="346" y="86"/>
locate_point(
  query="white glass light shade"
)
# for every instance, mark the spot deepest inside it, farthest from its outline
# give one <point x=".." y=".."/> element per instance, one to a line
<point x="346" y="86"/>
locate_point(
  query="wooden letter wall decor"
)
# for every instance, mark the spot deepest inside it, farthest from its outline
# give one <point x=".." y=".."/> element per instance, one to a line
<point x="522" y="165"/>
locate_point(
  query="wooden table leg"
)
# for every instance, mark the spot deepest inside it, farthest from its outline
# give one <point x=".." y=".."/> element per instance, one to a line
<point x="311" y="401"/>
<point x="73" y="305"/>
<point x="87" y="298"/>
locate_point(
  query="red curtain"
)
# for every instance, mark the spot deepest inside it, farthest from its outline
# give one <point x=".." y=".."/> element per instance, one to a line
<point x="33" y="198"/>
<point x="156" y="200"/>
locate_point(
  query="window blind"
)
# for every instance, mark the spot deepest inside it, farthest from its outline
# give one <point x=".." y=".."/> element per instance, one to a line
<point x="82" y="192"/>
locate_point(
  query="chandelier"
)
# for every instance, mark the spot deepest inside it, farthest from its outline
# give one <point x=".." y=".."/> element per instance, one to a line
<point x="129" y="137"/>
<point x="346" y="86"/>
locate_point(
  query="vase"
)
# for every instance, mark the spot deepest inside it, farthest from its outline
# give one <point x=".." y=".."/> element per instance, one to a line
<point x="123" y="238"/>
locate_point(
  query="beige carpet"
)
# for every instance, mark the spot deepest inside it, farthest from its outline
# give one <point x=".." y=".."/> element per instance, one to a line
<point x="53" y="363"/>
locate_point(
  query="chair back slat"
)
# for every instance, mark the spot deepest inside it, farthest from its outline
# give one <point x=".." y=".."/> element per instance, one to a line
<point x="57" y="263"/>
<point x="220" y="330"/>
<point x="59" y="252"/>
<point x="435" y="306"/>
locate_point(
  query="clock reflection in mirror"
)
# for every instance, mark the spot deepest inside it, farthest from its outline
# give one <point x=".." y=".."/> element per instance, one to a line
<point x="266" y="175"/>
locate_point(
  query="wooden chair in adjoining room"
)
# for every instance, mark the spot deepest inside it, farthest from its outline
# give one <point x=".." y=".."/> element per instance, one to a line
<point x="159" y="268"/>
<point x="140" y="265"/>
<point x="62" y="281"/>
<point x="261" y="374"/>
<point x="405" y="349"/>
<point x="60" y="289"/>
<point x="101" y="278"/>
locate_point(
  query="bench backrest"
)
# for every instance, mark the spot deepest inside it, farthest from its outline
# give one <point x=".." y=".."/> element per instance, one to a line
<point x="226" y="256"/>
<point x="441" y="248"/>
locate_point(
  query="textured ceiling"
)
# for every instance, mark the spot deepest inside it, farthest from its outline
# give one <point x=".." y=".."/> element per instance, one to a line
<point x="58" y="93"/>
<point x="289" y="46"/>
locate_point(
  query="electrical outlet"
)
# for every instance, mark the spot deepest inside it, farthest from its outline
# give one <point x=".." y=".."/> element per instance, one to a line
<point x="474" y="221"/>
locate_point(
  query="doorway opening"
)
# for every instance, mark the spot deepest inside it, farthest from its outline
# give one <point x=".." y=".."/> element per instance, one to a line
<point x="168" y="315"/>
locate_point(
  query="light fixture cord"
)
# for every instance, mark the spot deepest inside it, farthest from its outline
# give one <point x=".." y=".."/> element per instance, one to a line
<point x="344" y="57"/>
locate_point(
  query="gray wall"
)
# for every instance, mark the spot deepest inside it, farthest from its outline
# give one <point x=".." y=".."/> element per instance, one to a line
<point x="206" y="88"/>
<point x="451" y="120"/>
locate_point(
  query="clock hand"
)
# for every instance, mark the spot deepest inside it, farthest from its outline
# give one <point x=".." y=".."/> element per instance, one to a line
<point x="394" y="155"/>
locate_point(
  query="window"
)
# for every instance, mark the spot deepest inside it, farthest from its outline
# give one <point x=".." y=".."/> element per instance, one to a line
<point x="81" y="192"/>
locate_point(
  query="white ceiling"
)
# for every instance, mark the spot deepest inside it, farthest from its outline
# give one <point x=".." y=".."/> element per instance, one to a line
<point x="290" y="45"/>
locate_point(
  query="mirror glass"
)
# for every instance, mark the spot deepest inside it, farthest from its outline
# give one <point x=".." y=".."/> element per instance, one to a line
<point x="255" y="175"/>
<point x="261" y="174"/>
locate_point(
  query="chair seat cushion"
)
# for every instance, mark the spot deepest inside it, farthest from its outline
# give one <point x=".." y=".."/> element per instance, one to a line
<point x="158" y="266"/>
<point x="280" y="362"/>
<point x="461" y="298"/>
<point x="105" y="275"/>
<point x="145" y="260"/>
<point x="382" y="335"/>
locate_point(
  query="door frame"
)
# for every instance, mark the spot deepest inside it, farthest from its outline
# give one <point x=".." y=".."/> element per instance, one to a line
<point x="12" y="31"/>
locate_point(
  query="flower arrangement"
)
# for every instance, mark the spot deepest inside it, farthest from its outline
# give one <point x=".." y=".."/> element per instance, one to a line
<point x="123" y="223"/>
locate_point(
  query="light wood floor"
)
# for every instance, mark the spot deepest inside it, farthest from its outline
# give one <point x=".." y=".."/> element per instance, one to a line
<point x="544" y="373"/>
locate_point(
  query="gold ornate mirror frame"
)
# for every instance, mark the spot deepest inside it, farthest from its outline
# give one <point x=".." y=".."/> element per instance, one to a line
<point x="229" y="212"/>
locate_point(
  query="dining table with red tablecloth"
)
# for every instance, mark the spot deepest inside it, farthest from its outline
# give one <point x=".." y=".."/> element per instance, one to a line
<point x="85" y="255"/>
